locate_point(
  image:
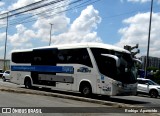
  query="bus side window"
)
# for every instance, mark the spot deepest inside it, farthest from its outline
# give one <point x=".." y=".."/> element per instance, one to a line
<point x="37" y="59"/>
<point x="22" y="57"/>
<point x="81" y="56"/>
<point x="61" y="58"/>
<point x="69" y="59"/>
<point x="74" y="56"/>
<point x="45" y="57"/>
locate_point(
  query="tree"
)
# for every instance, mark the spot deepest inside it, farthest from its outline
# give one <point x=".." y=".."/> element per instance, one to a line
<point x="152" y="69"/>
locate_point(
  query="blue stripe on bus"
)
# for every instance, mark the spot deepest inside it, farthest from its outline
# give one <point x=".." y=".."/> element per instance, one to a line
<point x="57" y="69"/>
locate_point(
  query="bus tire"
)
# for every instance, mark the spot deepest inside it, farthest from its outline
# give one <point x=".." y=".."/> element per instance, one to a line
<point x="27" y="83"/>
<point x="86" y="89"/>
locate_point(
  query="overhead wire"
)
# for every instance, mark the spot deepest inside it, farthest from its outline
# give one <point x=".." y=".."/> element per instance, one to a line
<point x="56" y="13"/>
<point x="32" y="18"/>
<point x="36" y="14"/>
<point x="42" y="6"/>
<point x="77" y="6"/>
<point x="31" y="9"/>
<point x="3" y="15"/>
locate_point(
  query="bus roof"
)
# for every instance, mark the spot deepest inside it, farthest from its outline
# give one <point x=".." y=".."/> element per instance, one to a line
<point x="80" y="45"/>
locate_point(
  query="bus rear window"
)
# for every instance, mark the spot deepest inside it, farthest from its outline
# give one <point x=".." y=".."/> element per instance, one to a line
<point x="22" y="57"/>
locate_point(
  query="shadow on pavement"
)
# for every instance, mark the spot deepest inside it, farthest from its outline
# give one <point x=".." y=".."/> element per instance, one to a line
<point x="97" y="97"/>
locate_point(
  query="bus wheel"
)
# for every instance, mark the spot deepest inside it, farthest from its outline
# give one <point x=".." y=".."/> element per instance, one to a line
<point x="86" y="90"/>
<point x="28" y="84"/>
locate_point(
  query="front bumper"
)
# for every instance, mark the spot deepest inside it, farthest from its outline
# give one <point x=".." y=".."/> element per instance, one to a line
<point x="125" y="89"/>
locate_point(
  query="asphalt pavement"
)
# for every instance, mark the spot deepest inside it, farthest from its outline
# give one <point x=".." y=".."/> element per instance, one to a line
<point x="98" y="101"/>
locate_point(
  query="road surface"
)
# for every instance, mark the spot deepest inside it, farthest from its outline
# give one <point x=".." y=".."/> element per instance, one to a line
<point x="8" y="99"/>
<point x="140" y="100"/>
<point x="54" y="106"/>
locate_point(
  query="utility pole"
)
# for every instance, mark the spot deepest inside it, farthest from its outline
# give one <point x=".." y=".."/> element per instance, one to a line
<point x="4" y="68"/>
<point x="50" y="34"/>
<point x="150" y="22"/>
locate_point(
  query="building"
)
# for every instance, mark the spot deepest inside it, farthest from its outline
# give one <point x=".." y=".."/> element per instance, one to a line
<point x="152" y="61"/>
<point x="2" y="64"/>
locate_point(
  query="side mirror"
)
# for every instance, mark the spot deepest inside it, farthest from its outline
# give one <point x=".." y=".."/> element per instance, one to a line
<point x="114" y="57"/>
<point x="137" y="60"/>
<point x="147" y="84"/>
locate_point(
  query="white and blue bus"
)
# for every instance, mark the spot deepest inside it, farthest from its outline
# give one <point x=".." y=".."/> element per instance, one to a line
<point x="85" y="67"/>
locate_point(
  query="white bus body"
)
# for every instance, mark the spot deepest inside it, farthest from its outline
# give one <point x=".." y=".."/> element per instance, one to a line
<point x="87" y="68"/>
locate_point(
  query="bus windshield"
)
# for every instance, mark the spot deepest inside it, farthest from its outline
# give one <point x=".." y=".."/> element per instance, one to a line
<point x="125" y="73"/>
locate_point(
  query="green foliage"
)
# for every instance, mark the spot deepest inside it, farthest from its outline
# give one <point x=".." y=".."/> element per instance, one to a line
<point x="138" y="66"/>
<point x="152" y="68"/>
<point x="157" y="77"/>
<point x="156" y="74"/>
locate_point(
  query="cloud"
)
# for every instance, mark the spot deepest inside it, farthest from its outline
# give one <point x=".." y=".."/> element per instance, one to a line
<point x="37" y="34"/>
<point x="142" y="1"/>
<point x="2" y="36"/>
<point x="2" y="4"/>
<point x="21" y="3"/>
<point x="21" y="37"/>
<point x="2" y="51"/>
<point x="82" y="29"/>
<point x="121" y="1"/>
<point x="59" y="24"/>
<point x="136" y="31"/>
<point x="87" y="20"/>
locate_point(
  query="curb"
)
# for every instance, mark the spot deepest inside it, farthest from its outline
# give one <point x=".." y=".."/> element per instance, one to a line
<point x="30" y="91"/>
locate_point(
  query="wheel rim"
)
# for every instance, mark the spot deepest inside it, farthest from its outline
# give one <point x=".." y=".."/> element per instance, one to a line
<point x="4" y="79"/>
<point x="86" y="91"/>
<point x="153" y="94"/>
<point x="28" y="84"/>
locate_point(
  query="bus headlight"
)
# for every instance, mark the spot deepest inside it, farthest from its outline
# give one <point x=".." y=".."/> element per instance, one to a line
<point x="119" y="85"/>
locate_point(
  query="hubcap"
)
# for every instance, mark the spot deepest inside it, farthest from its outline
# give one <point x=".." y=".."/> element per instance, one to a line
<point x="154" y="94"/>
<point x="86" y="91"/>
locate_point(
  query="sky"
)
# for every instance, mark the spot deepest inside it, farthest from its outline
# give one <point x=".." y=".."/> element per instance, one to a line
<point x="116" y="22"/>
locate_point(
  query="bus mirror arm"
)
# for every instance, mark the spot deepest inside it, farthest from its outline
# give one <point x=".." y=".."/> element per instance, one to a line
<point x="137" y="60"/>
<point x="114" y="57"/>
